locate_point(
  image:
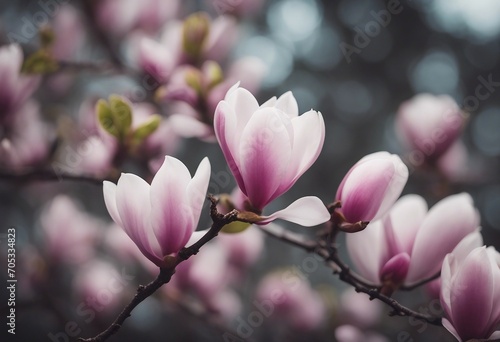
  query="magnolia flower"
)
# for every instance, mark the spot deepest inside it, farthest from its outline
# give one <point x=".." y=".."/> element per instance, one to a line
<point x="69" y="233"/>
<point x="120" y="16"/>
<point x="26" y="141"/>
<point x="191" y="122"/>
<point x="243" y="248"/>
<point x="207" y="277"/>
<point x="289" y="297"/>
<point x="409" y="244"/>
<point x="468" y="243"/>
<point x="357" y="309"/>
<point x="69" y="33"/>
<point x="196" y="39"/>
<point x="161" y="217"/>
<point x="15" y="87"/>
<point x="371" y="187"/>
<point x="100" y="286"/>
<point x="268" y="148"/>
<point x="470" y="294"/>
<point x="429" y="124"/>
<point x="350" y="333"/>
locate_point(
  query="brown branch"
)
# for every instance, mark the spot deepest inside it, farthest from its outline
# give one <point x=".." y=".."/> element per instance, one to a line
<point x="98" y="67"/>
<point x="168" y="271"/>
<point x="46" y="175"/>
<point x="329" y="253"/>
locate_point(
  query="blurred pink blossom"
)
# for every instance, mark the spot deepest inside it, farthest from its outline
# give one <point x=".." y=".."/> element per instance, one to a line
<point x="290" y="298"/>
<point x="350" y="333"/>
<point x="26" y="140"/>
<point x="429" y="124"/>
<point x="69" y="233"/>
<point x="244" y="248"/>
<point x="207" y="277"/>
<point x="118" y="17"/>
<point x="69" y="33"/>
<point x="359" y="310"/>
<point x="100" y="286"/>
<point x="15" y="87"/>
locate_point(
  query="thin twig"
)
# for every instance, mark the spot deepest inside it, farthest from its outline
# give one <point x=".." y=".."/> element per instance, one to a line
<point x="330" y="254"/>
<point x="46" y="175"/>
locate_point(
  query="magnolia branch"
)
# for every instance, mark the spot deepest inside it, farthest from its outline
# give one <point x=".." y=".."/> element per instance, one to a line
<point x="166" y="272"/>
<point x="329" y="253"/>
<point x="46" y="175"/>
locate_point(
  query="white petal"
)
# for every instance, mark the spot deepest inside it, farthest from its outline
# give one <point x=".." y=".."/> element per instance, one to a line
<point x="366" y="250"/>
<point x="306" y="211"/>
<point x="109" y="191"/>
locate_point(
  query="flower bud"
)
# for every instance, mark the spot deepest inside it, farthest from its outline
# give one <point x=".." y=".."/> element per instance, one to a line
<point x="194" y="33"/>
<point x="371" y="187"/>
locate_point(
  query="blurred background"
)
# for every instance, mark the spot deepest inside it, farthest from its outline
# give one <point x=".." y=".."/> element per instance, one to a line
<point x="342" y="58"/>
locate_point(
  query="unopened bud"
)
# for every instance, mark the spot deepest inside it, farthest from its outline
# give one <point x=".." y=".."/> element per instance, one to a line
<point x="194" y="33"/>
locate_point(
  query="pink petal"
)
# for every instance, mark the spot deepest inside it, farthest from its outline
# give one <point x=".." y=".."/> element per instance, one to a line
<point x="195" y="236"/>
<point x="264" y="153"/>
<point x="269" y="103"/>
<point x="395" y="269"/>
<point x="308" y="139"/>
<point x="420" y="119"/>
<point x="189" y="127"/>
<point x="495" y="336"/>
<point x="243" y="105"/>
<point x="446" y="224"/>
<point x="405" y="217"/>
<point x="448" y="326"/>
<point x="222" y="35"/>
<point x="196" y="192"/>
<point x="446" y="283"/>
<point x="495" y="265"/>
<point x="364" y="190"/>
<point x="171" y="213"/>
<point x="134" y="208"/>
<point x="366" y="250"/>
<point x="155" y="59"/>
<point x="472" y="296"/>
<point x="306" y="211"/>
<point x="468" y="243"/>
<point x="225" y="126"/>
<point x="109" y="191"/>
<point x="288" y="105"/>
